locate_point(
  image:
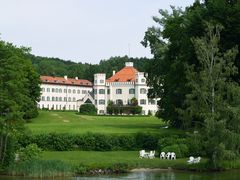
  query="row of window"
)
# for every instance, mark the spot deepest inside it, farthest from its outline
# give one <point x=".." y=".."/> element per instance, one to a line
<point x="59" y="90"/>
<point x="65" y="99"/>
<point x="143" y="112"/>
<point x="120" y="102"/>
<point x="119" y="91"/>
<point x="101" y="81"/>
<point x="57" y="107"/>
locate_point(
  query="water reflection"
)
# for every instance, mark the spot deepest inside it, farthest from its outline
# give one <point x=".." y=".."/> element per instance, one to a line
<point x="166" y="175"/>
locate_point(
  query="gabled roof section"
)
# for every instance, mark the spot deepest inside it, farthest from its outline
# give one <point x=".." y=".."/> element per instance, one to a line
<point x="126" y="74"/>
<point x="65" y="81"/>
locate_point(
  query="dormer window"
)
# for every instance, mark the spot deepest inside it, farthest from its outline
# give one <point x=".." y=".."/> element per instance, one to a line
<point x="116" y="80"/>
<point x="129" y="80"/>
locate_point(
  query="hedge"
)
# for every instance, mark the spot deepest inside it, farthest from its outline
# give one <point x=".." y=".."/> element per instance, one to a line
<point x="106" y="142"/>
<point x="90" y="141"/>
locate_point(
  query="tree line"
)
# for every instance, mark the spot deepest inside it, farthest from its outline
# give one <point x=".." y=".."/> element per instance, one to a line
<point x="58" y="67"/>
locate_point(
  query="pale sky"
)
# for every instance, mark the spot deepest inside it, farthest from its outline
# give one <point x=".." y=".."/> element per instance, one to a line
<point x="81" y="30"/>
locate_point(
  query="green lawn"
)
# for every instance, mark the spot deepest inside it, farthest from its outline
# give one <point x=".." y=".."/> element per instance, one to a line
<point x="70" y="122"/>
<point x="96" y="159"/>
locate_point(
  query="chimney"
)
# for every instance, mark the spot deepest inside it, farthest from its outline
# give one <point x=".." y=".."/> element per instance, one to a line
<point x="65" y="77"/>
<point x="129" y="64"/>
<point x="114" y="72"/>
<point x="76" y="78"/>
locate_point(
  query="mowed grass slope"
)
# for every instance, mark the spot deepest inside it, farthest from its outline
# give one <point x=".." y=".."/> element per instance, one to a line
<point x="70" y="122"/>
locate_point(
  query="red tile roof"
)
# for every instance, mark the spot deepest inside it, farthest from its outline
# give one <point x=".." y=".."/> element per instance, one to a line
<point x="127" y="74"/>
<point x="63" y="81"/>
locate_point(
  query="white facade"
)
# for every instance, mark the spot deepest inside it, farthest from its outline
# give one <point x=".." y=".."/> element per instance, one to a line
<point x="123" y="91"/>
<point x="59" y="96"/>
<point x="69" y="94"/>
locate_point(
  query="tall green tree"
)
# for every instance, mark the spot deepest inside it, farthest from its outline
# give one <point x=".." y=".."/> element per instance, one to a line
<point x="170" y="43"/>
<point x="19" y="93"/>
<point x="214" y="98"/>
<point x="19" y="83"/>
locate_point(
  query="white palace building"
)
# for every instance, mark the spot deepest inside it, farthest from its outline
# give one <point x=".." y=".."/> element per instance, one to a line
<point x="69" y="94"/>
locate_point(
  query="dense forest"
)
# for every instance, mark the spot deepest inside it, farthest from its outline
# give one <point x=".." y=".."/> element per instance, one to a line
<point x="59" y="67"/>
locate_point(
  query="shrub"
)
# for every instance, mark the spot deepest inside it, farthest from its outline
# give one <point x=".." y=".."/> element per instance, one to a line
<point x="195" y="145"/>
<point x="88" y="109"/>
<point x="147" y="141"/>
<point x="30" y="152"/>
<point x="181" y="150"/>
<point x="170" y="140"/>
<point x="136" y="110"/>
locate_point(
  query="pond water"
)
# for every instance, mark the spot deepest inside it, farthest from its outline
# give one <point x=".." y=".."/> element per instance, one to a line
<point x="165" y="175"/>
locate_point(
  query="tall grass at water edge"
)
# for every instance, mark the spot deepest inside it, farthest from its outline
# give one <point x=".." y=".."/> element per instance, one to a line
<point x="40" y="168"/>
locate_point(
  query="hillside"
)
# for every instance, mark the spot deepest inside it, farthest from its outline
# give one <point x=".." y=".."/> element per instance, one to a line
<point x="69" y="122"/>
<point x="58" y="67"/>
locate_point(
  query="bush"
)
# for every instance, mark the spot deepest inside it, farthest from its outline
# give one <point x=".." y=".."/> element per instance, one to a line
<point x="181" y="150"/>
<point x="88" y="109"/>
<point x="147" y="141"/>
<point x="30" y="152"/>
<point x="169" y="141"/>
<point x="195" y="145"/>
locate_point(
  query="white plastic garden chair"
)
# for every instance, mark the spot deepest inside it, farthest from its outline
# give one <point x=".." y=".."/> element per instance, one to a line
<point x="173" y="156"/>
<point x="168" y="155"/>
<point x="162" y="155"/>
<point x="151" y="155"/>
<point x="196" y="160"/>
<point x="141" y="154"/>
<point x="191" y="160"/>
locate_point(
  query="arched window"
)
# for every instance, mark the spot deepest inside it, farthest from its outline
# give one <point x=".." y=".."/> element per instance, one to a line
<point x="119" y="102"/>
<point x="69" y="99"/>
<point x="74" y="91"/>
<point x="143" y="91"/>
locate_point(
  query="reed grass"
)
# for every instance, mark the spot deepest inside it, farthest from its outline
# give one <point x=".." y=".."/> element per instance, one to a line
<point x="40" y="168"/>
